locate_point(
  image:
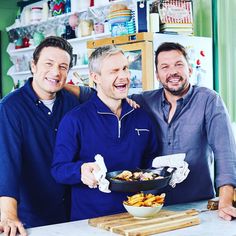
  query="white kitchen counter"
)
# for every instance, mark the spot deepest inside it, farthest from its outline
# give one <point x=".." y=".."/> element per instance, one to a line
<point x="211" y="225"/>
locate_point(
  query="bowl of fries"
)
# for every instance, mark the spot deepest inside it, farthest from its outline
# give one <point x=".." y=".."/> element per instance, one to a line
<point x="143" y="205"/>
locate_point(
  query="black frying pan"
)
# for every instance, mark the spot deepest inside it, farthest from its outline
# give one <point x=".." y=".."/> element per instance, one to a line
<point x="137" y="186"/>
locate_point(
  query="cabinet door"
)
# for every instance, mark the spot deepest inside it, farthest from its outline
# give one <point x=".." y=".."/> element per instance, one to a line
<point x="139" y="50"/>
<point x="140" y="56"/>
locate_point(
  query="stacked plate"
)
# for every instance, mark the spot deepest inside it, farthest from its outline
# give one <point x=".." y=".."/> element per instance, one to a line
<point x="120" y="16"/>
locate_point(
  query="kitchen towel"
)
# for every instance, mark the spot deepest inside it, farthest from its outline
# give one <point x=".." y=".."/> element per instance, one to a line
<point x="173" y="161"/>
<point x="103" y="183"/>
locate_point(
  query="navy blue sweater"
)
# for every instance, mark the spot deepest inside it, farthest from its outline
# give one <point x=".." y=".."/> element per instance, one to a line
<point x="125" y="143"/>
<point x="27" y="137"/>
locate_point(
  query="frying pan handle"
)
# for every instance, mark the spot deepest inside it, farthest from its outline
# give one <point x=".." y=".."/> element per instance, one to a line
<point x="171" y="171"/>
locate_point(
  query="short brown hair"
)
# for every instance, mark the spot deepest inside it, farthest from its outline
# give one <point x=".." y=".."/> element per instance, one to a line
<point x="57" y="42"/>
<point x="169" y="46"/>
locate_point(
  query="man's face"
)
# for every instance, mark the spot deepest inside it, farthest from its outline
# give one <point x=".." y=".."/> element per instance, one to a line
<point x="173" y="72"/>
<point x="114" y="80"/>
<point x="50" y="72"/>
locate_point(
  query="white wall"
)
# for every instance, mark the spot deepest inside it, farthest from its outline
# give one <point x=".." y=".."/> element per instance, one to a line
<point x="234" y="129"/>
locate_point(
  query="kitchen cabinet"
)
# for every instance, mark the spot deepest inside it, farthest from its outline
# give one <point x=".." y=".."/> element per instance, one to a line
<point x="140" y="53"/>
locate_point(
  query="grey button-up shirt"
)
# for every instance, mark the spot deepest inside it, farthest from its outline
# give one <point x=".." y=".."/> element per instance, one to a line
<point x="200" y="128"/>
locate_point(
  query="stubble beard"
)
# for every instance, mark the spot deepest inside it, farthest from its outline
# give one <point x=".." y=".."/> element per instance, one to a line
<point x="177" y="91"/>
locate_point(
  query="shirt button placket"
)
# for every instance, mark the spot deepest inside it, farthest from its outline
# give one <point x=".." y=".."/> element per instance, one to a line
<point x="169" y="136"/>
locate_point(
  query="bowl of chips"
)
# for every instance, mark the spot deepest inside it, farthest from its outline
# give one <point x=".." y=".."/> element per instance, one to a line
<point x="144" y="205"/>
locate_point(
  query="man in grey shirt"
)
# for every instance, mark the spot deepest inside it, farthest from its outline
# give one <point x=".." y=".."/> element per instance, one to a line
<point x="192" y="120"/>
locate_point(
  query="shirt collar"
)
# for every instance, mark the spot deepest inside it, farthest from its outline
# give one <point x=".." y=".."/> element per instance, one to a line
<point x="184" y="99"/>
<point x="28" y="90"/>
<point x="103" y="108"/>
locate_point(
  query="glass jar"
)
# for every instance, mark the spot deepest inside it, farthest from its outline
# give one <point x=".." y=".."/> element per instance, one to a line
<point x="36" y="14"/>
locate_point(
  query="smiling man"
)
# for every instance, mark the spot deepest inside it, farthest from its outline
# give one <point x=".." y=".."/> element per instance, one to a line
<point x="105" y="125"/>
<point x="29" y="118"/>
<point x="195" y="121"/>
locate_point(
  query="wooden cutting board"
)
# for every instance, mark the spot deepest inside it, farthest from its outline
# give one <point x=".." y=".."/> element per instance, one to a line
<point x="125" y="224"/>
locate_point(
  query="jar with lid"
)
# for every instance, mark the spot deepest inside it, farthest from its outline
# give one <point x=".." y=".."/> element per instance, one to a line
<point x="85" y="25"/>
<point x="36" y="14"/>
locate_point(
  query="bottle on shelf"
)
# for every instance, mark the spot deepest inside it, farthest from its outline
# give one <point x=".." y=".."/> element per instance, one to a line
<point x="67" y="6"/>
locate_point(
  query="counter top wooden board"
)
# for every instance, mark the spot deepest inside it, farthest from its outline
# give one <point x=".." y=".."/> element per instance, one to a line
<point x="165" y="220"/>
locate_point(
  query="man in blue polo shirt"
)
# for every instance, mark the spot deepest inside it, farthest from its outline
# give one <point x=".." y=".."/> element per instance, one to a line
<point x="29" y="118"/>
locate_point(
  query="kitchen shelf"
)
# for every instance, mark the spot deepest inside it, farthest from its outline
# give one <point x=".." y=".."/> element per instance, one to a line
<point x="49" y="27"/>
<point x="20" y="50"/>
<point x="80" y="67"/>
<point x="72" y="41"/>
<point x="27" y="72"/>
<point x="86" y="38"/>
<point x="65" y="16"/>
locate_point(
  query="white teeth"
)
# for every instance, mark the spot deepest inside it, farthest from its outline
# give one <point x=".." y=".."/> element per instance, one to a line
<point x="53" y="80"/>
<point x="174" y="80"/>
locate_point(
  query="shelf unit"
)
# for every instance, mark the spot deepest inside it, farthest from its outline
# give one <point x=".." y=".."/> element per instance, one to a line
<point x="79" y="44"/>
<point x="72" y="41"/>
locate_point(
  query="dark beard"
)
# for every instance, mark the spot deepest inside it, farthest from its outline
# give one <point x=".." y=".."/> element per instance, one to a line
<point x="177" y="92"/>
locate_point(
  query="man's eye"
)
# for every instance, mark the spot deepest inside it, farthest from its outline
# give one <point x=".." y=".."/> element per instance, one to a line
<point x="180" y="64"/>
<point x="48" y="64"/>
<point x="63" y="68"/>
<point x="164" y="67"/>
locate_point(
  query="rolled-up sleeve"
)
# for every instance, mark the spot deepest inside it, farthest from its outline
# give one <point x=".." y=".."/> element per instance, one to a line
<point x="222" y="142"/>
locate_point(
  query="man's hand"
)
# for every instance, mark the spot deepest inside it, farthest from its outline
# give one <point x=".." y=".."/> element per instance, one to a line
<point x="226" y="209"/>
<point x="10" y="224"/>
<point x="132" y="103"/>
<point x="72" y="89"/>
<point x="87" y="176"/>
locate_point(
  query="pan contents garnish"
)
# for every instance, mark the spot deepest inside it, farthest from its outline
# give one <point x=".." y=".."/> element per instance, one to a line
<point x="148" y="200"/>
<point x="137" y="176"/>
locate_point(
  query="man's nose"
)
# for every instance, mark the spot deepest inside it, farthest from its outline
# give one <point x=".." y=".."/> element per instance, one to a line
<point x="55" y="70"/>
<point x="173" y="70"/>
<point x="125" y="74"/>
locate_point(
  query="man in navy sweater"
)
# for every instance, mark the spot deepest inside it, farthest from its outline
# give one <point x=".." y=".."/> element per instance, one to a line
<point x="105" y="125"/>
<point x="29" y="118"/>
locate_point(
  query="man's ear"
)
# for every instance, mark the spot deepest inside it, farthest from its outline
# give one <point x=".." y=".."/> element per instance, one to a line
<point x="32" y="67"/>
<point x="190" y="69"/>
<point x="157" y="77"/>
<point x="95" y="77"/>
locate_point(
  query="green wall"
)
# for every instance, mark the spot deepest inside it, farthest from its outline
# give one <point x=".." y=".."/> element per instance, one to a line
<point x="202" y="11"/>
<point x="8" y="12"/>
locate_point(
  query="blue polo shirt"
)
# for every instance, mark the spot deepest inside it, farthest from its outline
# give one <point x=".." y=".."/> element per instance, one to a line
<point x="27" y="136"/>
<point x="128" y="142"/>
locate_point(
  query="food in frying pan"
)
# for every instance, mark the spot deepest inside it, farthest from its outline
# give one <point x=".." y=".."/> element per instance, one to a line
<point x="138" y="176"/>
<point x="148" y="200"/>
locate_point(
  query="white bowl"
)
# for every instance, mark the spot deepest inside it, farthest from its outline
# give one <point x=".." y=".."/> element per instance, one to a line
<point x="143" y="211"/>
